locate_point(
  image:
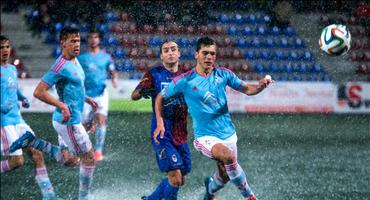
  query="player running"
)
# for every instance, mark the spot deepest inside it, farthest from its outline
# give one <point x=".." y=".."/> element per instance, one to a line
<point x="96" y="63"/>
<point x="13" y="126"/>
<point x="204" y="90"/>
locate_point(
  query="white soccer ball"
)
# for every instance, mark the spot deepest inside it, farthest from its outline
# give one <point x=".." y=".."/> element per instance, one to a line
<point x="335" y="40"/>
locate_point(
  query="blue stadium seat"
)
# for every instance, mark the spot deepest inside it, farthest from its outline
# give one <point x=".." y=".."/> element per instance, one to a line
<point x="241" y="43"/>
<point x="119" y="53"/>
<point x="252" y="19"/>
<point x="289" y="31"/>
<point x="307" y="56"/>
<point x="154" y="41"/>
<point x="264" y="54"/>
<point x="275" y="31"/>
<point x="58" y="26"/>
<point x="111" y="17"/>
<point x="255" y="43"/>
<point x="266" y="19"/>
<point x="250" y="55"/>
<point x="232" y="30"/>
<point x="112" y="41"/>
<point x="288" y="68"/>
<point x="279" y="55"/>
<point x="274" y="67"/>
<point x="259" y="68"/>
<point x="298" y="43"/>
<point x="293" y="56"/>
<point x="317" y="67"/>
<point x="269" y="43"/>
<point x="261" y="30"/>
<point x="238" y="19"/>
<point x="223" y="18"/>
<point x="247" y="31"/>
<point x="283" y="43"/>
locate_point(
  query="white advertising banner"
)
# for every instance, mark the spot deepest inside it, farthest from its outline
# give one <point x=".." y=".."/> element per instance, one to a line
<point x="291" y="97"/>
<point x="296" y="97"/>
<point x="353" y="97"/>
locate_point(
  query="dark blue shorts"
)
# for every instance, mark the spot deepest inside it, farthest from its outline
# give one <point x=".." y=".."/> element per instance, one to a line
<point x="171" y="157"/>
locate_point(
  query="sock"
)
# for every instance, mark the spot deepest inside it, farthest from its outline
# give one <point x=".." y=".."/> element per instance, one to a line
<point x="170" y="192"/>
<point x="44" y="183"/>
<point x="158" y="193"/>
<point x="100" y="138"/>
<point x="238" y="178"/>
<point x="5" y="166"/>
<point x="48" y="148"/>
<point x="216" y="184"/>
<point x="86" y="175"/>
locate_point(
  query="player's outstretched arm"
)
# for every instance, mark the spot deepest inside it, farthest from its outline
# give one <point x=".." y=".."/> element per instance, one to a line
<point x="41" y="92"/>
<point x="158" y="114"/>
<point x="253" y="89"/>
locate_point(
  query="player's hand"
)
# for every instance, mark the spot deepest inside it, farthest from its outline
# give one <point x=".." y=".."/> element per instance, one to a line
<point x="25" y="103"/>
<point x="147" y="93"/>
<point x="92" y="103"/>
<point x="66" y="113"/>
<point x="266" y="81"/>
<point x="5" y="108"/>
<point x="158" y="131"/>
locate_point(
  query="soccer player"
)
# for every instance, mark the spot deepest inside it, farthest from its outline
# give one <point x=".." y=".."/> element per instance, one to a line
<point x="172" y="151"/>
<point x="204" y="90"/>
<point x="68" y="77"/>
<point x="96" y="63"/>
<point x="13" y="125"/>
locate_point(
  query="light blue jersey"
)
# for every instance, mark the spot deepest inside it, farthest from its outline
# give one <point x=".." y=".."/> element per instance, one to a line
<point x="206" y="100"/>
<point x="10" y="114"/>
<point x="68" y="79"/>
<point x="96" y="67"/>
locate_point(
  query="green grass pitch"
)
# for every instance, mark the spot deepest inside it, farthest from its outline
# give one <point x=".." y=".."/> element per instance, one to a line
<point x="285" y="157"/>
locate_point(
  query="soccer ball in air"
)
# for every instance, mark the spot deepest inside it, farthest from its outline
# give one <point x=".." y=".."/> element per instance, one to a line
<point x="335" y="40"/>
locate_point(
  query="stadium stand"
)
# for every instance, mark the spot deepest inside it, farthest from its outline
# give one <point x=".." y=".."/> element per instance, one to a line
<point x="252" y="42"/>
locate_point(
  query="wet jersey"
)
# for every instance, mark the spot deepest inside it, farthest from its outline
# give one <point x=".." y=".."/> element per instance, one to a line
<point x="68" y="78"/>
<point x="175" y="109"/>
<point x="10" y="114"/>
<point x="206" y="99"/>
<point x="96" y="67"/>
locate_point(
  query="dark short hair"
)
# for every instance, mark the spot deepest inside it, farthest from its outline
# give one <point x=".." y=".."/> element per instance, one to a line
<point x="164" y="42"/>
<point x="205" y="41"/>
<point x="3" y="38"/>
<point x="92" y="31"/>
<point x="67" y="31"/>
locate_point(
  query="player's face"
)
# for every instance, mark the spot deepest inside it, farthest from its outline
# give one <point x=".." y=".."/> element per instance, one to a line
<point x="93" y="40"/>
<point x="206" y="56"/>
<point x="170" y="53"/>
<point x="5" y="51"/>
<point x="71" y="46"/>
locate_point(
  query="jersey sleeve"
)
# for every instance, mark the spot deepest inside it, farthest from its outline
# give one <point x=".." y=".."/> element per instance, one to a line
<point x="21" y="97"/>
<point x="175" y="87"/>
<point x="234" y="82"/>
<point x="51" y="77"/>
<point x="147" y="82"/>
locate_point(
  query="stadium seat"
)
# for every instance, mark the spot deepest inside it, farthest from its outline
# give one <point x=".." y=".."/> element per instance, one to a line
<point x="238" y="19"/>
<point x="264" y="54"/>
<point x="241" y="43"/>
<point x="274" y="67"/>
<point x="279" y="55"/>
<point x="247" y="31"/>
<point x="289" y="31"/>
<point x="255" y="43"/>
<point x="250" y="55"/>
<point x="259" y="68"/>
<point x="269" y="43"/>
<point x="261" y="30"/>
<point x="119" y="53"/>
<point x="232" y="30"/>
<point x="275" y="31"/>
<point x="252" y="19"/>
<point x="223" y="18"/>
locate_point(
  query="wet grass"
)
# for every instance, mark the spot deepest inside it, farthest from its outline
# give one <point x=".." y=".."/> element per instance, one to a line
<point x="285" y="157"/>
